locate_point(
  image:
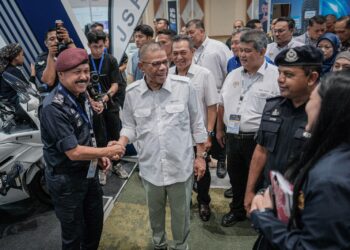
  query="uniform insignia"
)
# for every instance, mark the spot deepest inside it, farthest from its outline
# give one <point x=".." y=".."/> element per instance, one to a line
<point x="41" y="63"/>
<point x="306" y="134"/>
<point x="291" y="56"/>
<point x="73" y="111"/>
<point x="58" y="99"/>
<point x="301" y="200"/>
<point x="276" y="112"/>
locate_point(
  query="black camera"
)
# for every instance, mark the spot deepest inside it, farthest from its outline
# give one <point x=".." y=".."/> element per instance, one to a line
<point x="94" y="78"/>
<point x="60" y="45"/>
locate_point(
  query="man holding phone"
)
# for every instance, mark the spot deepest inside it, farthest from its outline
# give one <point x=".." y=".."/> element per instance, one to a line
<point x="45" y="63"/>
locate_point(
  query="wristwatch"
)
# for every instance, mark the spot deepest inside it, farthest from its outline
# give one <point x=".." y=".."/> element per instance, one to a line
<point x="211" y="133"/>
<point x="203" y="155"/>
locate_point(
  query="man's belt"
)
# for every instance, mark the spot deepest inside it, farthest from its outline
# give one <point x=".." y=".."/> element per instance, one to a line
<point x="243" y="135"/>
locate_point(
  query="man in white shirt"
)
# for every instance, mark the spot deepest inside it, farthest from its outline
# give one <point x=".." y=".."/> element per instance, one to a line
<point x="283" y="37"/>
<point x="203" y="82"/>
<point x="243" y="97"/>
<point x="161" y="112"/>
<point x="210" y="54"/>
<point x="213" y="55"/>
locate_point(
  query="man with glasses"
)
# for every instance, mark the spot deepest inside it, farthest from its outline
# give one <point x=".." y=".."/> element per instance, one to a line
<point x="161" y="113"/>
<point x="283" y="37"/>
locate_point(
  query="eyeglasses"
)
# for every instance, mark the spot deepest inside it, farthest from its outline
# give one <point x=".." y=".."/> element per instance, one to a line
<point x="157" y="64"/>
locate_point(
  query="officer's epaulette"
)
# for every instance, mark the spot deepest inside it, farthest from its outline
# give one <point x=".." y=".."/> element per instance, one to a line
<point x="132" y="85"/>
<point x="272" y="102"/>
<point x="183" y="79"/>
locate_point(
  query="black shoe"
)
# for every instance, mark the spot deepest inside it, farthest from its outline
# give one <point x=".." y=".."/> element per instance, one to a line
<point x="228" y="193"/>
<point x="221" y="169"/>
<point x="204" y="212"/>
<point x="230" y="219"/>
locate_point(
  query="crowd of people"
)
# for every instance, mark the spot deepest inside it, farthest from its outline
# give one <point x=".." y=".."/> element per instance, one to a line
<point x="261" y="102"/>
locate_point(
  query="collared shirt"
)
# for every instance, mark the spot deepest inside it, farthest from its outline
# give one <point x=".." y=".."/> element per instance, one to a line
<point x="204" y="83"/>
<point x="305" y="39"/>
<point x="163" y="122"/>
<point x="273" y="49"/>
<point x="214" y="56"/>
<point x="256" y="88"/>
<point x="235" y="63"/>
<point x="62" y="129"/>
<point x="40" y="66"/>
<point x="281" y="132"/>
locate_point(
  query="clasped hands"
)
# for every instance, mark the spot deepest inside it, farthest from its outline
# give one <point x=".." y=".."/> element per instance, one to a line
<point x="117" y="150"/>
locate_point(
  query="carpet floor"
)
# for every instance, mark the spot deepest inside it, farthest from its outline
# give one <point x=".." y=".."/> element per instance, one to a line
<point x="127" y="227"/>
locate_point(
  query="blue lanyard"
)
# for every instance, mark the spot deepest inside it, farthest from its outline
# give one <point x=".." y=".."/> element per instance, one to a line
<point x="77" y="106"/>
<point x="99" y="69"/>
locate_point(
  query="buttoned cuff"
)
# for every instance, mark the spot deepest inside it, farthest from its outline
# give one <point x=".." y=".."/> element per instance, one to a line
<point x="130" y="133"/>
<point x="200" y="137"/>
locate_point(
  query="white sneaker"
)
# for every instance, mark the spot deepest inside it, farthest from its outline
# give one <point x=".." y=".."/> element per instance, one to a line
<point x="102" y="177"/>
<point x="120" y="171"/>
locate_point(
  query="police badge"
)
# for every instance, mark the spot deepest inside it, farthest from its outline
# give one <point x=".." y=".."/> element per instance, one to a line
<point x="291" y="56"/>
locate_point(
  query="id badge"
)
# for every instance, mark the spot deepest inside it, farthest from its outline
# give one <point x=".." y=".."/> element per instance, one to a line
<point x="233" y="124"/>
<point x="92" y="169"/>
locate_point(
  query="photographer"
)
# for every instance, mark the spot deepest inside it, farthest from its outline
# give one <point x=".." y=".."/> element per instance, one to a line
<point x="105" y="80"/>
<point x="56" y="40"/>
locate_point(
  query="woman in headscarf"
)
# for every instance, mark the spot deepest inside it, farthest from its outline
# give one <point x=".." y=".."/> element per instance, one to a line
<point x="342" y="61"/>
<point x="11" y="56"/>
<point x="329" y="44"/>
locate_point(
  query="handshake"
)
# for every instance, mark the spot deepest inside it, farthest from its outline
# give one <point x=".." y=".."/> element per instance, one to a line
<point x="115" y="150"/>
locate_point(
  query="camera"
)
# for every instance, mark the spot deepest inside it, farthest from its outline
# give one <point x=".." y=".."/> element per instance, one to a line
<point x="60" y="45"/>
<point x="94" y="78"/>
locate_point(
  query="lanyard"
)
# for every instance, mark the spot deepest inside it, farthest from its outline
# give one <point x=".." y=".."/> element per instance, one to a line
<point x="76" y="105"/>
<point x="245" y="89"/>
<point x="99" y="69"/>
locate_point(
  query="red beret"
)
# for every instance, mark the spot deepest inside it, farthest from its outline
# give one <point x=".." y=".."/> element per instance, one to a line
<point x="71" y="58"/>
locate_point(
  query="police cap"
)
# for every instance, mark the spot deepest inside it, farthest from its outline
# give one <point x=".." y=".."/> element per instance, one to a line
<point x="300" y="56"/>
<point x="71" y="58"/>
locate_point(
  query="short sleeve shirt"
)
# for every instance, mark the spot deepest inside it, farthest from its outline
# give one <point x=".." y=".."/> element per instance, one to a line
<point x="40" y="65"/>
<point x="62" y="129"/>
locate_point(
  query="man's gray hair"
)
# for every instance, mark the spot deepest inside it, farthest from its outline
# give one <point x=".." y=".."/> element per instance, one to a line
<point x="149" y="47"/>
<point x="241" y="30"/>
<point x="257" y="37"/>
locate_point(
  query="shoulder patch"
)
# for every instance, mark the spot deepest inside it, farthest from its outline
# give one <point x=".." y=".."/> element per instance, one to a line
<point x="58" y="98"/>
<point x="183" y="79"/>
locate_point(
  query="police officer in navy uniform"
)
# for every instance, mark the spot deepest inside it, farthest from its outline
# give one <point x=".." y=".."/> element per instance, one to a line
<point x="71" y="155"/>
<point x="281" y="135"/>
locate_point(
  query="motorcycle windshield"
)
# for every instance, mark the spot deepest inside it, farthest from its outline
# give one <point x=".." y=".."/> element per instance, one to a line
<point x="22" y="88"/>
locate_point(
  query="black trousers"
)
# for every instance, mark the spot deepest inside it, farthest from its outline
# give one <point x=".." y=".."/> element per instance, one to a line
<point x="107" y="126"/>
<point x="203" y="184"/>
<point x="79" y="208"/>
<point x="239" y="154"/>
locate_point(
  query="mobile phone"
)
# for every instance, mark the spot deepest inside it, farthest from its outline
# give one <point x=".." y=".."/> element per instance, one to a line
<point x="59" y="24"/>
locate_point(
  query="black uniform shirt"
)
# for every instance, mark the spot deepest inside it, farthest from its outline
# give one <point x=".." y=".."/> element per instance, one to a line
<point x="281" y="133"/>
<point x="109" y="74"/>
<point x="62" y="129"/>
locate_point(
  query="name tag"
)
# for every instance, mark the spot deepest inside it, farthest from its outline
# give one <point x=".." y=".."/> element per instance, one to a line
<point x="233" y="124"/>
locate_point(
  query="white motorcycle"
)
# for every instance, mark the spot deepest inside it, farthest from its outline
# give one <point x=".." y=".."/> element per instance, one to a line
<point x="21" y="149"/>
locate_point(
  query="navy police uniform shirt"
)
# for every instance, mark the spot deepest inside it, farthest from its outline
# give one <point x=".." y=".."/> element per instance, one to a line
<point x="62" y="129"/>
<point x="281" y="133"/>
